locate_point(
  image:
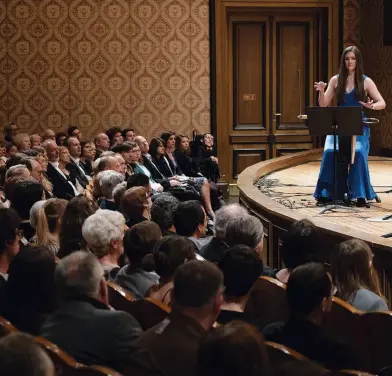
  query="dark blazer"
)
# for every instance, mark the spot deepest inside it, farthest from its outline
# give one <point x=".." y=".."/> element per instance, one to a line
<point x="156" y="175"/>
<point x="91" y="333"/>
<point x="186" y="164"/>
<point x="61" y="187"/>
<point x="77" y="174"/>
<point x="87" y="167"/>
<point x="207" y="167"/>
<point x="214" y="250"/>
<point x="164" y="168"/>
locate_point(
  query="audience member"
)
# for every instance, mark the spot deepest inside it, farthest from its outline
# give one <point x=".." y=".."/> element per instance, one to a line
<point x="241" y="267"/>
<point x="355" y="278"/>
<point x="48" y="134"/>
<point x="10" y="131"/>
<point x="74" y="131"/>
<point x="206" y="160"/>
<point x="60" y="138"/>
<point x="48" y="224"/>
<point x="84" y="326"/>
<point x="118" y="193"/>
<point x="162" y="213"/>
<point x="22" y="142"/>
<point x="128" y="134"/>
<point x="299" y="247"/>
<point x="139" y="241"/>
<point x="309" y="295"/>
<point x="191" y="220"/>
<point x="87" y="156"/>
<point x="124" y="169"/>
<point x="139" y="180"/>
<point x="183" y="158"/>
<point x="115" y="136"/>
<point x="126" y="150"/>
<point x="21" y="355"/>
<point x="74" y="166"/>
<point x="35" y="140"/>
<point x="196" y="300"/>
<point x="31" y="293"/>
<point x="170" y="252"/>
<point x="104" y="234"/>
<point x="108" y="180"/>
<point x="233" y="349"/>
<point x="76" y="212"/>
<point x="10" y="150"/>
<point x="136" y="205"/>
<point x="102" y="143"/>
<point x="215" y="249"/>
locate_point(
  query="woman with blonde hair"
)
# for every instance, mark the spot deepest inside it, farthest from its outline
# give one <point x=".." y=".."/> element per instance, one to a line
<point x="355" y="278"/>
<point x="48" y="224"/>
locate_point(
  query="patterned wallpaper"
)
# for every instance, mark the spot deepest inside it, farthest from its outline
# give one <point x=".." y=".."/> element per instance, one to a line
<point x="100" y="63"/>
<point x="351" y="30"/>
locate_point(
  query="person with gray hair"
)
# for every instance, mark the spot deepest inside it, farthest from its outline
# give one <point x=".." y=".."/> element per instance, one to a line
<point x="17" y="170"/>
<point x="84" y="325"/>
<point x="108" y="180"/>
<point x="216" y="248"/>
<point x="104" y="234"/>
<point x="162" y="213"/>
<point x="118" y="193"/>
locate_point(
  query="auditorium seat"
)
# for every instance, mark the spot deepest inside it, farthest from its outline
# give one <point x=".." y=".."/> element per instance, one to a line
<point x="6" y="327"/>
<point x="349" y="372"/>
<point x="119" y="298"/>
<point x="268" y="302"/>
<point x="96" y="371"/>
<point x="279" y="354"/>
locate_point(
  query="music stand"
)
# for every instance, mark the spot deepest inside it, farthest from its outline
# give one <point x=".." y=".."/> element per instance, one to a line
<point x="335" y="121"/>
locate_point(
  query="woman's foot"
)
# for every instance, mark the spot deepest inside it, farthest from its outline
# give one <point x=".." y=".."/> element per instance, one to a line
<point x="361" y="202"/>
<point x="322" y="201"/>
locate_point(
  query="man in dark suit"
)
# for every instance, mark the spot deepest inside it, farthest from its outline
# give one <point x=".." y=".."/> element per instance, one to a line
<point x="75" y="167"/>
<point x="84" y="326"/>
<point x="309" y="295"/>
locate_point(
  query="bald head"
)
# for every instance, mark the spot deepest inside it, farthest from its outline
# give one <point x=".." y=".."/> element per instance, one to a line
<point x="51" y="150"/>
<point x="142" y="143"/>
<point x="102" y="142"/>
<point x="48" y="135"/>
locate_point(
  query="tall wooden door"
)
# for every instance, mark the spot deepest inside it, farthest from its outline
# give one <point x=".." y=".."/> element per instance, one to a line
<point x="275" y="57"/>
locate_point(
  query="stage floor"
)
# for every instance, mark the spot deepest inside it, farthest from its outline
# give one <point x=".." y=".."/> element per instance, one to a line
<point x="294" y="187"/>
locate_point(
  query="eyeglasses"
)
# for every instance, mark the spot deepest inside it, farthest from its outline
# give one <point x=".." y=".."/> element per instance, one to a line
<point x="136" y="151"/>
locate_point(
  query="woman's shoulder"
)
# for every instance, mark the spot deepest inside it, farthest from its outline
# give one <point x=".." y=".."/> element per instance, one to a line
<point x="367" y="301"/>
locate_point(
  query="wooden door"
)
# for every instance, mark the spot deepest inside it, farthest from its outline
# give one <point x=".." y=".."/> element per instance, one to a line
<point x="276" y="56"/>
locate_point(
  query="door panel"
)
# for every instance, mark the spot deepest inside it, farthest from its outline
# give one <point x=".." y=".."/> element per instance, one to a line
<point x="244" y="156"/>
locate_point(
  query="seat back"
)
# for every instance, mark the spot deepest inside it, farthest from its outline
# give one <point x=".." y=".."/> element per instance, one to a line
<point x="280" y="354"/>
<point x="268" y="301"/>
<point x="119" y="298"/>
<point x="6" y="327"/>
<point x="96" y="371"/>
<point x="349" y="372"/>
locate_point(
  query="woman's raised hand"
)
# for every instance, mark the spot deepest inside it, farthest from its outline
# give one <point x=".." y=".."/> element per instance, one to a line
<point x="320" y="86"/>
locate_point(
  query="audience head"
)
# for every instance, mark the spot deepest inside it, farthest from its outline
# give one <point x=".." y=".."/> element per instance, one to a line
<point x="26" y="193"/>
<point x="74" y="131"/>
<point x="108" y="180"/>
<point x="21" y="355"/>
<point x="17" y="170"/>
<point x="115" y="136"/>
<point x="73" y="145"/>
<point x="64" y="156"/>
<point x="157" y="148"/>
<point x="246" y="230"/>
<point x="22" y="141"/>
<point x="169" y="139"/>
<point x="135" y="155"/>
<point x="10" y="149"/>
<point x="81" y="274"/>
<point x="236" y="348"/>
<point x="190" y="219"/>
<point x="135" y="203"/>
<point x="139" y="180"/>
<point x="87" y="150"/>
<point x="352" y="269"/>
<point x="143" y="144"/>
<point x="123" y="165"/>
<point x="140" y="241"/>
<point x="224" y="215"/>
<point x="309" y="291"/>
<point x="108" y="163"/>
<point x="78" y="209"/>
<point x="118" y="193"/>
<point x="170" y="252"/>
<point x="9" y="234"/>
<point x="37" y="171"/>
<point x="60" y="138"/>
<point x="51" y="150"/>
<point x="241" y="267"/>
<point x="48" y="134"/>
<point x="104" y="233"/>
<point x="128" y="134"/>
<point x="102" y="142"/>
<point x="163" y="210"/>
<point x="301" y="244"/>
<point x="125" y="149"/>
<point x="33" y="212"/>
<point x="10" y="131"/>
<point x="35" y="140"/>
<point x="182" y="143"/>
<point x="208" y="140"/>
<point x="198" y="289"/>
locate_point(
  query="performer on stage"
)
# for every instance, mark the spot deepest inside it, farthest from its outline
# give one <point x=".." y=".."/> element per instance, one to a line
<point x="352" y="88"/>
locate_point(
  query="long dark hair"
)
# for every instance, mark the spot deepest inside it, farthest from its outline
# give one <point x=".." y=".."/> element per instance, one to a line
<point x="178" y="143"/>
<point x="155" y="143"/>
<point x="343" y="75"/>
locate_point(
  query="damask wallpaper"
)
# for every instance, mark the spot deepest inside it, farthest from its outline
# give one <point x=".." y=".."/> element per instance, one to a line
<point x="100" y="63"/>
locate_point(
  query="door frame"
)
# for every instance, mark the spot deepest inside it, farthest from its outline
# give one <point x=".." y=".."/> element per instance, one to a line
<point x="221" y="97"/>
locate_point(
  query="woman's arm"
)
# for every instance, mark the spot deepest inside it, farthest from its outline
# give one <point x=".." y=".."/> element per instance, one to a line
<point x="377" y="102"/>
<point x="325" y="97"/>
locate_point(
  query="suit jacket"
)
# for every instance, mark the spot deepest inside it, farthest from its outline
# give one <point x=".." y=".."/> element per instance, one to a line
<point x="156" y="175"/>
<point x="91" y="333"/>
<point x="186" y="164"/>
<point x="61" y="187"/>
<point x="77" y="174"/>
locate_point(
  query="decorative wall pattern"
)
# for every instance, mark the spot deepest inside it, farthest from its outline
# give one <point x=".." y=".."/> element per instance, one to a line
<point x="351" y="29"/>
<point x="100" y="63"/>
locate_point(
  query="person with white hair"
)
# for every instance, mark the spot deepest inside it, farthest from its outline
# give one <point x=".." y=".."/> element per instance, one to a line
<point x="104" y="234"/>
<point x="215" y="249"/>
<point x="17" y="170"/>
<point x="84" y="326"/>
<point x="108" y="180"/>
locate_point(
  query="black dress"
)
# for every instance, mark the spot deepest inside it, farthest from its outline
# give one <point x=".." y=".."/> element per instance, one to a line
<point x="186" y="164"/>
<point x="207" y="167"/>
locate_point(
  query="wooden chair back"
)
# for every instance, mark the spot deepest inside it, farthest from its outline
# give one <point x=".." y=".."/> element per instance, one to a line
<point x="268" y="301"/>
<point x="6" y="327"/>
<point x="279" y="354"/>
<point x="96" y="371"/>
<point x="119" y="298"/>
<point x="349" y="372"/>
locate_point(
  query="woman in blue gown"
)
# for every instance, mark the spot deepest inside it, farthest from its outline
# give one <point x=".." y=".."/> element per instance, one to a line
<point x="352" y="88"/>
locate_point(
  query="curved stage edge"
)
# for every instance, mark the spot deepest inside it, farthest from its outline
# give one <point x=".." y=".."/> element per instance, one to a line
<point x="277" y="218"/>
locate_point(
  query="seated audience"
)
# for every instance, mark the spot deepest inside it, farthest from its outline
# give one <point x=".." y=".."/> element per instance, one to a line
<point x="215" y="249"/>
<point x="196" y="300"/>
<point x="139" y="180"/>
<point x="10" y="131"/>
<point x="87" y="156"/>
<point x="162" y="213"/>
<point x="42" y="159"/>
<point x="84" y="326"/>
<point x="118" y="193"/>
<point x="126" y="151"/>
<point x="76" y="212"/>
<point x="74" y="131"/>
<point x="123" y="166"/>
<point x="206" y="160"/>
<point x="233" y="349"/>
<point x="31" y="293"/>
<point x="241" y="267"/>
<point x="190" y="220"/>
<point x="299" y="247"/>
<point x="355" y="278"/>
<point x="21" y="355"/>
<point x="102" y="143"/>
<point x="60" y="138"/>
<point x="104" y="234"/>
<point x="128" y="134"/>
<point x="108" y="180"/>
<point x="183" y="158"/>
<point x="136" y="205"/>
<point x="309" y="295"/>
<point x="139" y="241"/>
<point x="22" y="142"/>
<point x="115" y="136"/>
<point x="170" y="252"/>
<point x="74" y="166"/>
<point x="35" y="140"/>
<point x="48" y="134"/>
<point x="48" y="224"/>
<point x="10" y="236"/>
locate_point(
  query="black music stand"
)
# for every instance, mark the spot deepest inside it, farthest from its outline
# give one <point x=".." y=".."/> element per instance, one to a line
<point x="338" y="122"/>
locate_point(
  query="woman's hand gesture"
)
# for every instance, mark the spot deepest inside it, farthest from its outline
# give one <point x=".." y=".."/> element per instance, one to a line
<point x="320" y="86"/>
